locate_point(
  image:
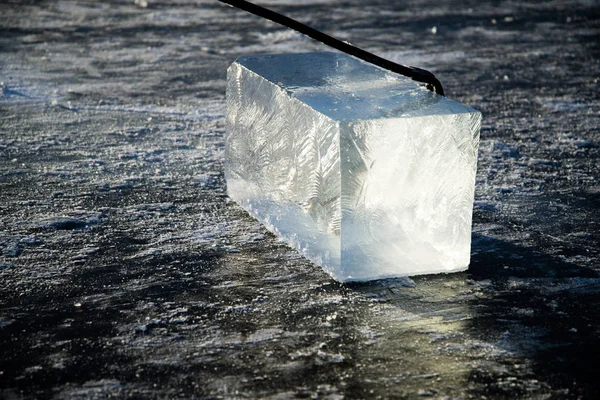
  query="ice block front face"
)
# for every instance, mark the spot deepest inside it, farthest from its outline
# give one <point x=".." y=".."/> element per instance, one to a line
<point x="365" y="172"/>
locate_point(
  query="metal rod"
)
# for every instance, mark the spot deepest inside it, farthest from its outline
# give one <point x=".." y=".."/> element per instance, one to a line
<point x="417" y="74"/>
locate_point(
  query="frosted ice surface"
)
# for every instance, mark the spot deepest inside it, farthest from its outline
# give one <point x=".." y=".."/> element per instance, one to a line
<point x="365" y="172"/>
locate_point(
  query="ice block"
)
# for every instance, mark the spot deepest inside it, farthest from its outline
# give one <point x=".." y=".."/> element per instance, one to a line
<point x="365" y="172"/>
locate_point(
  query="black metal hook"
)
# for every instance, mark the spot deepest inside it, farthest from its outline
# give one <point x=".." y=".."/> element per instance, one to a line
<point x="416" y="74"/>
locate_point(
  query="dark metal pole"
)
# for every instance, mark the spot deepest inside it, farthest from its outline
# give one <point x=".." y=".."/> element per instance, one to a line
<point x="417" y="74"/>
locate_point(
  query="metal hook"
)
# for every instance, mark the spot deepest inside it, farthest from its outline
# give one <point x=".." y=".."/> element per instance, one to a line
<point x="416" y="74"/>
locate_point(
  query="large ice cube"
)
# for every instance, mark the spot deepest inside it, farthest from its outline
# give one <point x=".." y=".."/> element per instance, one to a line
<point x="367" y="173"/>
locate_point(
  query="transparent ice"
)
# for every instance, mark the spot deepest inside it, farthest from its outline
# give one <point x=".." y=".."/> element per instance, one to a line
<point x="367" y="173"/>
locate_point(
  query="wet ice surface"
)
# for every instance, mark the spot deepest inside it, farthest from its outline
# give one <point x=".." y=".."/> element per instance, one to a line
<point x="112" y="116"/>
<point x="366" y="173"/>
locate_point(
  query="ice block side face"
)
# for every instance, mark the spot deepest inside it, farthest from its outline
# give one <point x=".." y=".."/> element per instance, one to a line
<point x="365" y="172"/>
<point x="407" y="194"/>
<point x="282" y="165"/>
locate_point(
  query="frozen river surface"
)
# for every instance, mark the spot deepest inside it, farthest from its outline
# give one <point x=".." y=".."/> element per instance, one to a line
<point x="126" y="271"/>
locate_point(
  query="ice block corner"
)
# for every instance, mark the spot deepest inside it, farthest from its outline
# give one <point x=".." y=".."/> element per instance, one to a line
<point x="365" y="172"/>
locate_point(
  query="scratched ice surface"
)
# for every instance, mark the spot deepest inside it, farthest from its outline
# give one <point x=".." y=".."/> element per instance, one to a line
<point x="365" y="172"/>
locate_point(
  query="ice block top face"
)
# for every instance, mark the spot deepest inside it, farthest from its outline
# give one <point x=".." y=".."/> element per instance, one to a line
<point x="347" y="89"/>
